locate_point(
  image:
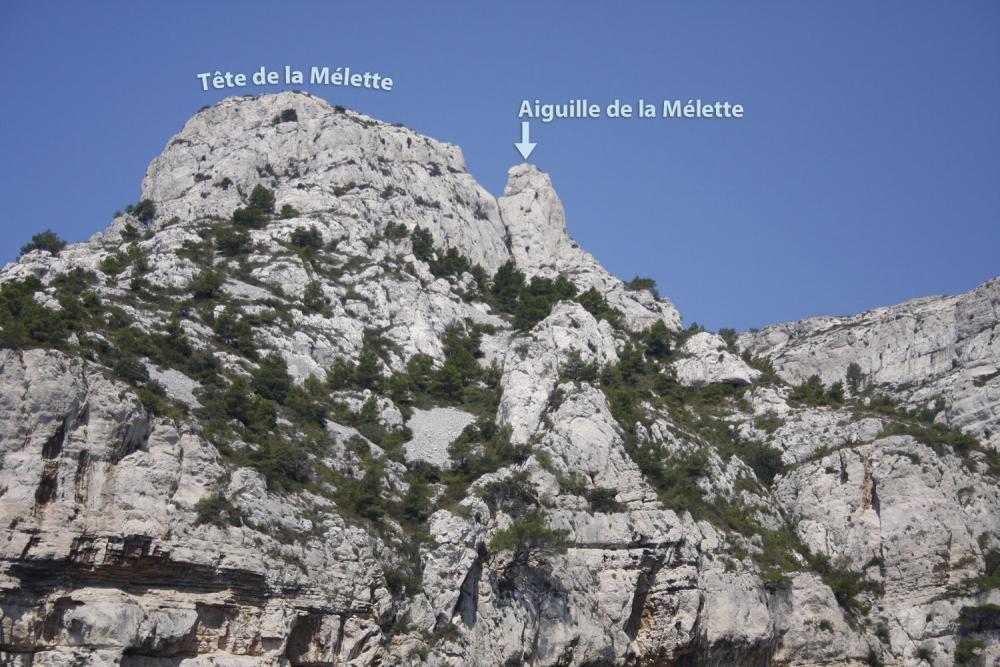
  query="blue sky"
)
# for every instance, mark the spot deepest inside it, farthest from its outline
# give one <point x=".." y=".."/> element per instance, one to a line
<point x="865" y="172"/>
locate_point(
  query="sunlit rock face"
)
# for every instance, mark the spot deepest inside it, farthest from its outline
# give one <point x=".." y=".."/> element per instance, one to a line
<point x="387" y="418"/>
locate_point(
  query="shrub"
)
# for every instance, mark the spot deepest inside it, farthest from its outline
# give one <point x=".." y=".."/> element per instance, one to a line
<point x="768" y="374"/>
<point x="24" y="322"/>
<point x="812" y="392"/>
<point x="364" y="497"/>
<point x="415" y="506"/>
<point x="207" y="284"/>
<point x="423" y="244"/>
<point x="460" y="365"/>
<point x="764" y="460"/>
<point x="507" y="284"/>
<point x="313" y="299"/>
<point x="420" y="368"/>
<point x="647" y="284"/>
<point x="979" y="618"/>
<point x="238" y="402"/>
<point x="288" y="211"/>
<point x="262" y="199"/>
<point x="251" y="217"/>
<point x="235" y="331"/>
<point x="967" y="652"/>
<point x="284" y="464"/>
<point x="395" y="232"/>
<point x="368" y="372"/>
<point x="855" y="378"/>
<point x="307" y="239"/>
<point x="536" y="299"/>
<point x="576" y="370"/>
<point x="603" y="500"/>
<point x="217" y="510"/>
<point x="595" y="304"/>
<point x="513" y="494"/>
<point x="451" y="263"/>
<point x="480" y="449"/>
<point x="144" y="211"/>
<point x="529" y="541"/>
<point x="47" y="240"/>
<point x="129" y="233"/>
<point x="271" y="380"/>
<point x="231" y="241"/>
<point x="728" y="334"/>
<point x="657" y="341"/>
<point x="846" y="585"/>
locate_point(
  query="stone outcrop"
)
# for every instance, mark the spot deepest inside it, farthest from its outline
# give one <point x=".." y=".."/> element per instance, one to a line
<point x="677" y="508"/>
<point x="921" y="350"/>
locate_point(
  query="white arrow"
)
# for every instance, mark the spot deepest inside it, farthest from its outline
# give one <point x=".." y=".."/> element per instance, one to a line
<point x="525" y="146"/>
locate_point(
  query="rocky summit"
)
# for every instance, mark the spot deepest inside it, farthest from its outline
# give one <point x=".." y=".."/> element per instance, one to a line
<point x="318" y="398"/>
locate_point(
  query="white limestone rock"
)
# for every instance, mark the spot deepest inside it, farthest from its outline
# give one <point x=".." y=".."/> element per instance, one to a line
<point x="531" y="365"/>
<point x="433" y="430"/>
<point x="539" y="245"/>
<point x="707" y="360"/>
<point x="918" y="350"/>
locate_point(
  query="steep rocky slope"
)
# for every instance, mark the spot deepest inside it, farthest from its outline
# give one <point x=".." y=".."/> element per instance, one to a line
<point x="919" y="351"/>
<point x="318" y="398"/>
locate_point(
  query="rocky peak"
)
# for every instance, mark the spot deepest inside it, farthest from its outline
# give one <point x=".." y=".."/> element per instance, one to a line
<point x="536" y="221"/>
<point x="319" y="436"/>
<point x="354" y="171"/>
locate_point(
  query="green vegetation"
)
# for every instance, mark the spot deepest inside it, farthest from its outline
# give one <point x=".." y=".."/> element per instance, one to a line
<point x="231" y="241"/>
<point x="262" y="199"/>
<point x="513" y="494"/>
<point x="979" y="618"/>
<point x="769" y="376"/>
<point x="256" y="214"/>
<point x="217" y="510"/>
<point x="129" y="233"/>
<point x="207" y="284"/>
<point x="288" y="211"/>
<point x="647" y="284"/>
<point x="116" y="263"/>
<point x="47" y="240"/>
<point x="144" y="211"/>
<point x="921" y="425"/>
<point x="967" y="652"/>
<point x="813" y="393"/>
<point x="529" y="542"/>
<point x="25" y="323"/>
<point x="855" y="378"/>
<point x="307" y="239"/>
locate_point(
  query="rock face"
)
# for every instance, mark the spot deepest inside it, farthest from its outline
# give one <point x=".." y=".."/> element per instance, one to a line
<point x="709" y="361"/>
<point x="922" y="350"/>
<point x="343" y="426"/>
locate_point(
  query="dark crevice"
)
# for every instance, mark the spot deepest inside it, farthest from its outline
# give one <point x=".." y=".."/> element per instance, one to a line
<point x="467" y="606"/>
<point x="650" y="566"/>
<point x="53" y="446"/>
<point x="49" y="484"/>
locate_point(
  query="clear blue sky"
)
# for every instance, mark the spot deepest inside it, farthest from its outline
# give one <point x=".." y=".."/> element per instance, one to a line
<point x="866" y="170"/>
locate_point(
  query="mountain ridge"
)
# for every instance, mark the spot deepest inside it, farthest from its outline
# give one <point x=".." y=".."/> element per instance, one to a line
<point x="214" y="429"/>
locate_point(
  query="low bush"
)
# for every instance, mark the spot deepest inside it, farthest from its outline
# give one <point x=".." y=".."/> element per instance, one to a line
<point x="206" y="284"/>
<point x="217" y="510"/>
<point x="262" y="199"/>
<point x="529" y="541"/>
<point x="48" y="241"/>
<point x="647" y="284"/>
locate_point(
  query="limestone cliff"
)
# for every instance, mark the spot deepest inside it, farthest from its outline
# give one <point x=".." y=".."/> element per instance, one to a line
<point x="320" y="399"/>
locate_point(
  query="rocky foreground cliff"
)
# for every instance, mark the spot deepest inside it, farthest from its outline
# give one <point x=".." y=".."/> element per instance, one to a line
<point x="318" y="398"/>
